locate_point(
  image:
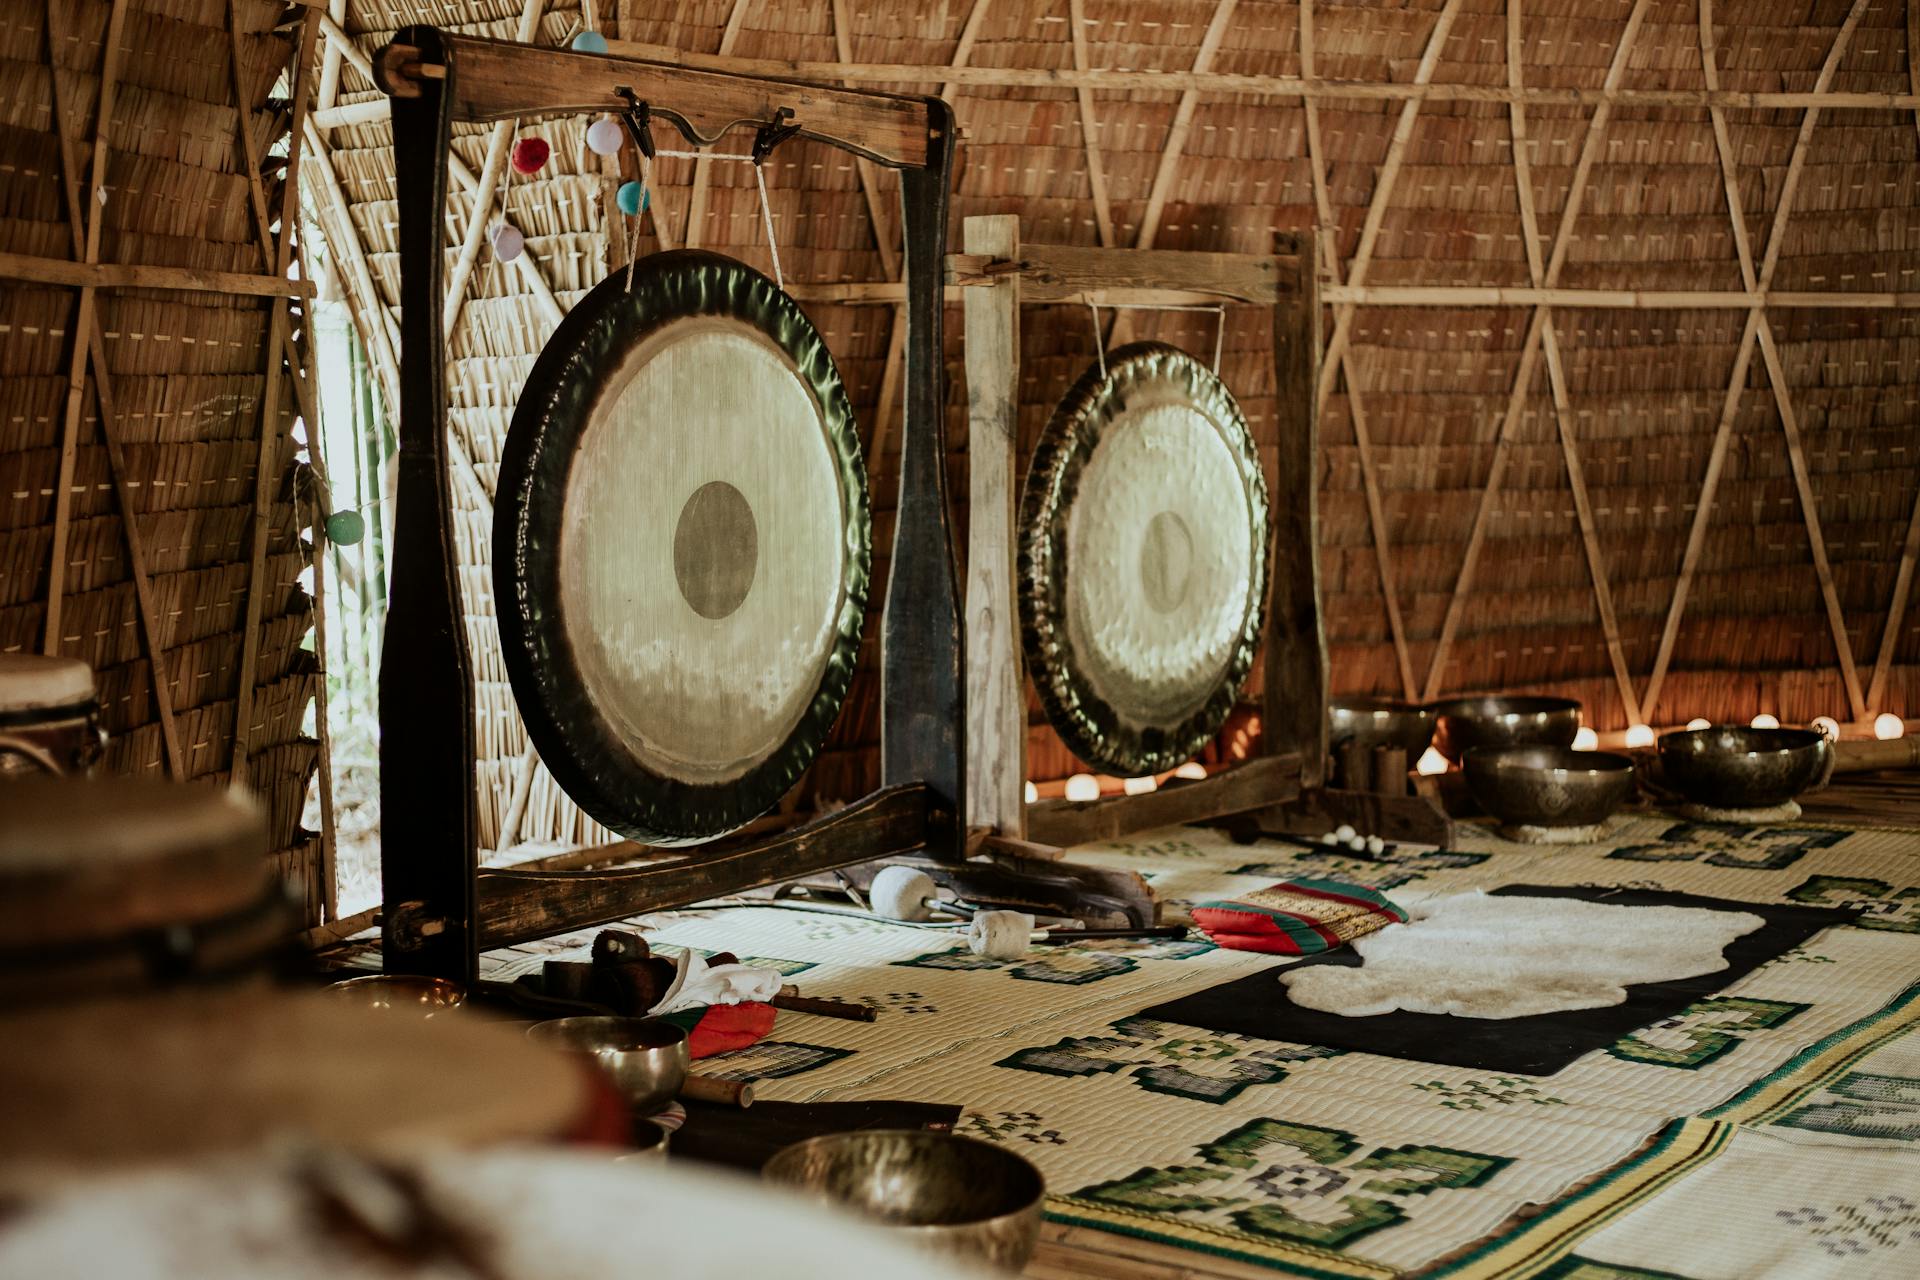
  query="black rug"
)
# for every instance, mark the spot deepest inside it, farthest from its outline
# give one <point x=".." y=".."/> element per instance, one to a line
<point x="1258" y="1005"/>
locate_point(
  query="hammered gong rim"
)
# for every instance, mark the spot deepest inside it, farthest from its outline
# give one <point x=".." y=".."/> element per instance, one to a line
<point x="577" y="742"/>
<point x="1092" y="728"/>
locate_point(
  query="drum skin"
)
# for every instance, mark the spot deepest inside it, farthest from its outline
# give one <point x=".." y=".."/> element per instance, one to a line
<point x="1143" y="560"/>
<point x="681" y="548"/>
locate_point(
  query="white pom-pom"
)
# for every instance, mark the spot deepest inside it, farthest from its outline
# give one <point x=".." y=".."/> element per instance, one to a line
<point x="1331" y="837"/>
<point x="1376" y="845"/>
<point x="1358" y="844"/>
<point x="1345" y="832"/>
<point x="901" y="893"/>
<point x="604" y="136"/>
<point x="1000" y="935"/>
<point x="507" y="241"/>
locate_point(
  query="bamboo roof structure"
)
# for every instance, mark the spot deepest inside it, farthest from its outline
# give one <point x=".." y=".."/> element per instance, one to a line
<point x="1621" y="386"/>
<point x="152" y="362"/>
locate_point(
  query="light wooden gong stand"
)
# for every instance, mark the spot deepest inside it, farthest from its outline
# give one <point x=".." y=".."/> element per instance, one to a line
<point x="440" y="909"/>
<point x="1283" y="788"/>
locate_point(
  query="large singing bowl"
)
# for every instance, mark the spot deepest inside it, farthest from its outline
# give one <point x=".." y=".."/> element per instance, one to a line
<point x="946" y="1194"/>
<point x="1380" y="722"/>
<point x="1461" y="724"/>
<point x="1548" y="786"/>
<point x="1734" y="767"/>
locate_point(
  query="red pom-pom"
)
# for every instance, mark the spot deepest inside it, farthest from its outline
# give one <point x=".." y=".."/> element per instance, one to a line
<point x="529" y="154"/>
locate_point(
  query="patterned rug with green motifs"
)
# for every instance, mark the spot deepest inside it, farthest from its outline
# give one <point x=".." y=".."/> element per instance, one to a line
<point x="1772" y="1129"/>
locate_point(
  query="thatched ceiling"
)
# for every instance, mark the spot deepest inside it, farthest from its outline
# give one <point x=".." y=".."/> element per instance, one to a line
<point x="1392" y="130"/>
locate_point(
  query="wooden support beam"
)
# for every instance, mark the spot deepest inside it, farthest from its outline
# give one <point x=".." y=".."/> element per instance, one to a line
<point x="1530" y="349"/>
<point x="1356" y="408"/>
<point x="83" y="318"/>
<point x="1077" y="274"/>
<point x="113" y="275"/>
<point x="996" y="678"/>
<point x="1557" y="382"/>
<point x="502" y="80"/>
<point x="1249" y="785"/>
<point x="1384" y="180"/>
<point x="820" y="73"/>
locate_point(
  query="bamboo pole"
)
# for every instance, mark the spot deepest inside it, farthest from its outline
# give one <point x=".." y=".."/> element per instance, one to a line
<point x="1089" y="125"/>
<point x="1170" y="153"/>
<point x="271" y="402"/>
<point x="1758" y="283"/>
<point x="1356" y="411"/>
<point x="697" y="197"/>
<point x="1557" y="381"/>
<point x="83" y="317"/>
<point x="1530" y="348"/>
<point x="1331" y="362"/>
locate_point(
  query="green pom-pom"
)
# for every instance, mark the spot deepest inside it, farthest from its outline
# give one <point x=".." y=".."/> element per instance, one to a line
<point x="344" y="528"/>
<point x="631" y="199"/>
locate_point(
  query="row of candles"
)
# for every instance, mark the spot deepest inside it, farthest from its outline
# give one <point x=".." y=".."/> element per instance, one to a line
<point x="1082" y="787"/>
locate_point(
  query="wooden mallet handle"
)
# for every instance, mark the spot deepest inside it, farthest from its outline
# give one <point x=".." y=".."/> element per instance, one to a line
<point x="730" y="1093"/>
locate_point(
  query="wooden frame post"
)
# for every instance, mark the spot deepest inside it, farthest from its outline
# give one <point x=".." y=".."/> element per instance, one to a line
<point x="996" y="675"/>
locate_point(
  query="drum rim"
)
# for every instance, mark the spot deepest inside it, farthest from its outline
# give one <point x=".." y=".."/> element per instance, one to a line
<point x="575" y="742"/>
<point x="1090" y="727"/>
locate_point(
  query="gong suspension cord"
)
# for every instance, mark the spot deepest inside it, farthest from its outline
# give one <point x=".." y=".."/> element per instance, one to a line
<point x="1218" y="311"/>
<point x="760" y="179"/>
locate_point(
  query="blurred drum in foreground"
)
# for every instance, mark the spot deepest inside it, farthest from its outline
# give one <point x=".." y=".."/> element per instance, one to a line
<point x="49" y="719"/>
<point x="113" y="885"/>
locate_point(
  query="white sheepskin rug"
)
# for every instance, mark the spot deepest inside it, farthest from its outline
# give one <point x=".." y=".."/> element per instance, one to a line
<point x="1477" y="956"/>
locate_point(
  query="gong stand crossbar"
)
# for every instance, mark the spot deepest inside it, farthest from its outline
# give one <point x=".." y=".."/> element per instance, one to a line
<point x="1283" y="788"/>
<point x="440" y="907"/>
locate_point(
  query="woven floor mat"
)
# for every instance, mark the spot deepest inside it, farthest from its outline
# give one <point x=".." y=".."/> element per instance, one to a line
<point x="1317" y="1162"/>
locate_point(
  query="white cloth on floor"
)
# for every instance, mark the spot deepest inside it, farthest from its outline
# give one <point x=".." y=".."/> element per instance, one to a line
<point x="697" y="984"/>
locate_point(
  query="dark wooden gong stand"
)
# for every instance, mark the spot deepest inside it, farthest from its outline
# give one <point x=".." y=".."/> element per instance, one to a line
<point x="440" y="909"/>
<point x="1283" y="789"/>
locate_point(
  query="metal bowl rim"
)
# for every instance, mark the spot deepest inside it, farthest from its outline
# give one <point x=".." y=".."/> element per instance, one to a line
<point x="1474" y="706"/>
<point x="552" y="1039"/>
<point x="930" y="1137"/>
<point x="1680" y="742"/>
<point x="1606" y="764"/>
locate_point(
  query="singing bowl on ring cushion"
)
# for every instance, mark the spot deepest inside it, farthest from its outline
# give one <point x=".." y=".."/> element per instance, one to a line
<point x="1142" y="560"/>
<point x="1736" y="767"/>
<point x="1461" y="724"/>
<point x="1380" y="722"/>
<point x="1548" y="786"/>
<point x="681" y="548"/>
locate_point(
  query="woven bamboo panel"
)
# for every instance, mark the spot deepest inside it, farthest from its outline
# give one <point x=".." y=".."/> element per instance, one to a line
<point x="187" y="382"/>
<point x="1646" y="388"/>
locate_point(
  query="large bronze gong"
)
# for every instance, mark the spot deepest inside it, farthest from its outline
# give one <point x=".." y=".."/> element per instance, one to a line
<point x="1143" y="560"/>
<point x="681" y="548"/>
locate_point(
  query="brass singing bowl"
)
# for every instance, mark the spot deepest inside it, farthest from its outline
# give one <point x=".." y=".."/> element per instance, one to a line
<point x="1548" y="786"/>
<point x="1736" y="767"/>
<point x="949" y="1195"/>
<point x="1380" y="722"/>
<point x="646" y="1058"/>
<point x="404" y="991"/>
<point x="1461" y="724"/>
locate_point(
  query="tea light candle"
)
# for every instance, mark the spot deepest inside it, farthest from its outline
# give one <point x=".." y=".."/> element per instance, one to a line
<point x="1191" y="769"/>
<point x="1888" y="726"/>
<point x="1081" y="787"/>
<point x="1766" y="721"/>
<point x="1139" y="786"/>
<point x="1639" y="735"/>
<point x="1587" y="740"/>
<point x="1699" y="722"/>
<point x="1828" y="727"/>
<point x="1430" y="763"/>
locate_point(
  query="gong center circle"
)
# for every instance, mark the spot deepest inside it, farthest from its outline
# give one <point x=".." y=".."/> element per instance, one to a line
<point x="1166" y="562"/>
<point x="716" y="550"/>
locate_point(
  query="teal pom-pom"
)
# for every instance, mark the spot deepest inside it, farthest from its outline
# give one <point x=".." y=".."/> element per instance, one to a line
<point x="589" y="42"/>
<point x="344" y="528"/>
<point x="632" y="199"/>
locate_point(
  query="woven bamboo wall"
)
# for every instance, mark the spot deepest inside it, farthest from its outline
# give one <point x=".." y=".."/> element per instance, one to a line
<point x="1415" y="192"/>
<point x="185" y="378"/>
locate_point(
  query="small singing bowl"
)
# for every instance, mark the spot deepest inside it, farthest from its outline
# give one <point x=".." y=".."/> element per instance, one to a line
<point x="1380" y="722"/>
<point x="1461" y="724"/>
<point x="649" y="1143"/>
<point x="1735" y="767"/>
<point x="1548" y="786"/>
<point x="950" y="1195"/>
<point x="410" y="992"/>
<point x="646" y="1058"/>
